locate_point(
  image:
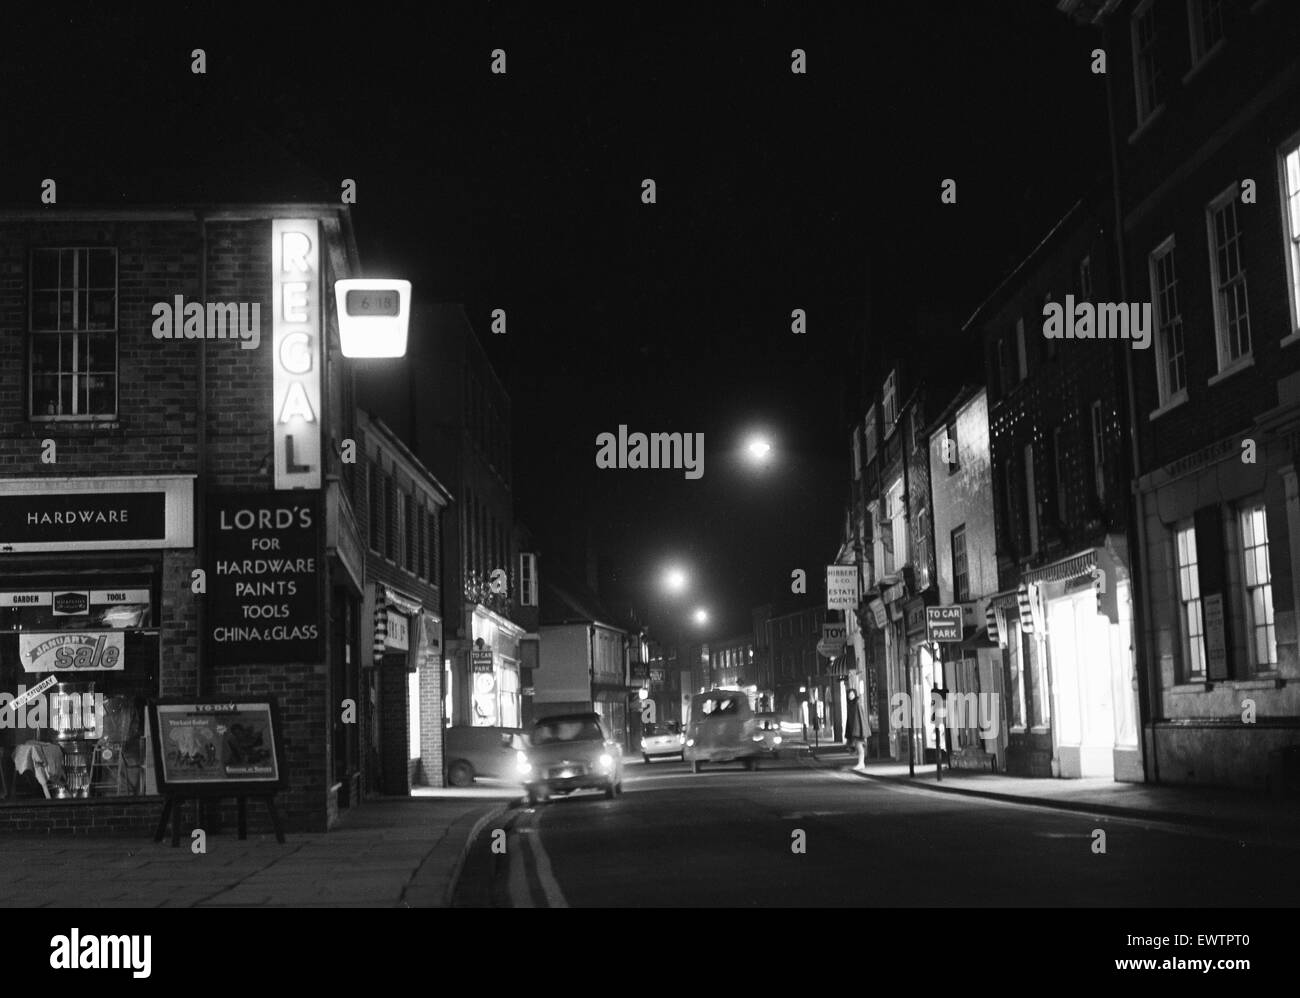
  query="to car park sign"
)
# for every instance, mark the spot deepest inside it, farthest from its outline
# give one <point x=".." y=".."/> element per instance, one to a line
<point x="943" y="623"/>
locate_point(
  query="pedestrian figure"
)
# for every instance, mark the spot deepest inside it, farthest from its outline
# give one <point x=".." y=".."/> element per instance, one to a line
<point x="856" y="731"/>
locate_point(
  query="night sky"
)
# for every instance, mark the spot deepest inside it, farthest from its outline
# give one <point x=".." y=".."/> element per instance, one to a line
<point x="775" y="191"/>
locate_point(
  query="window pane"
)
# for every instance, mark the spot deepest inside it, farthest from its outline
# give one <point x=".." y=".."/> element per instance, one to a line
<point x="103" y="269"/>
<point x="45" y="395"/>
<point x="102" y="389"/>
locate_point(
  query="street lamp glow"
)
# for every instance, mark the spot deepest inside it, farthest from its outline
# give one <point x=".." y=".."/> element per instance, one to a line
<point x="675" y="580"/>
<point x="701" y="616"/>
<point x="759" y="449"/>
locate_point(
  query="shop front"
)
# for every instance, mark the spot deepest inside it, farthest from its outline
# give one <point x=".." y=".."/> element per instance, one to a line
<point x="1090" y="647"/>
<point x="491" y="674"/>
<point x="82" y="577"/>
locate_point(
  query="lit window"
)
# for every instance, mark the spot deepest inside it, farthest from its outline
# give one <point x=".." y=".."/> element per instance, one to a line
<point x="73" y="323"/>
<point x="1259" y="588"/>
<point x="1171" y="365"/>
<point x="1146" y="69"/>
<point x="1231" y="307"/>
<point x="1291" y="225"/>
<point x="1189" y="595"/>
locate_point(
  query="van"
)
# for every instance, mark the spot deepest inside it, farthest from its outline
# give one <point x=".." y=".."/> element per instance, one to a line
<point x="721" y="729"/>
<point x="473" y="752"/>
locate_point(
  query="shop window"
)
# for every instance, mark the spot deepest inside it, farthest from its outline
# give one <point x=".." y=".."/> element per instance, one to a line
<point x="1257" y="580"/>
<point x="83" y="737"/>
<point x="73" y="343"/>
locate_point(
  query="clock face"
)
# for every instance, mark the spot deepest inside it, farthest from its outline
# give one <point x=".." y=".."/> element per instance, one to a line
<point x="485" y="682"/>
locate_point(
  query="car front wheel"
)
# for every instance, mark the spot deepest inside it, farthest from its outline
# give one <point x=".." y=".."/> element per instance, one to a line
<point x="646" y="758"/>
<point x="609" y="790"/>
<point x="460" y="773"/>
<point x="695" y="765"/>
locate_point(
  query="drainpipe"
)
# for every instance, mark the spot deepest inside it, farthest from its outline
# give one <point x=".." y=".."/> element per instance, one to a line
<point x="201" y="462"/>
<point x="1142" y="638"/>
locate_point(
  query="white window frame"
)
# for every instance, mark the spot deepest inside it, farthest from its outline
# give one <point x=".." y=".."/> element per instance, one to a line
<point x="958" y="595"/>
<point x="895" y="512"/>
<point x="79" y="289"/>
<point x="1289" y="198"/>
<point x="527" y="578"/>
<point x="1227" y="200"/>
<point x="1147" y="105"/>
<point x="889" y="403"/>
<point x="1191" y="611"/>
<point x="1168" y="395"/>
<point x="1257" y="554"/>
<point x="1200" y="51"/>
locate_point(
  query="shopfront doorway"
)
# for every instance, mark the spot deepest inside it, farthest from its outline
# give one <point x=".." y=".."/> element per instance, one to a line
<point x="1080" y="645"/>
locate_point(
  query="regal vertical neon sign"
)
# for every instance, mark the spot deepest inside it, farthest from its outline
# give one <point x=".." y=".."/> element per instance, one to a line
<point x="296" y="352"/>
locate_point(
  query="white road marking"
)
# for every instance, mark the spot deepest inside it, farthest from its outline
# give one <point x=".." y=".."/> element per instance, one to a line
<point x="550" y="886"/>
<point x="517" y="879"/>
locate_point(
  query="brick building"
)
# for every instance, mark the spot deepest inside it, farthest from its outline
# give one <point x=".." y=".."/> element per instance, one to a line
<point x="1205" y="127"/>
<point x="449" y="407"/>
<point x="402" y="505"/>
<point x="1057" y="415"/>
<point x="168" y="451"/>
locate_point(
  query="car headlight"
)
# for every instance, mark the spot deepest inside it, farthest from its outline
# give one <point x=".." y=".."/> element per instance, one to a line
<point x="643" y="743"/>
<point x="681" y="739"/>
<point x="522" y="763"/>
<point x="606" y="760"/>
<point x="690" y="741"/>
<point x="776" y="740"/>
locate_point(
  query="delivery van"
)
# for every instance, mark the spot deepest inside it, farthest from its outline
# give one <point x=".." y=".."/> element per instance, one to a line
<point x="722" y="729"/>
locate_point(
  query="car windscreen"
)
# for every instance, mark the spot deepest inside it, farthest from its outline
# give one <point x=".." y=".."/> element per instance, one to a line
<point x="567" y="731"/>
<point x="720" y="706"/>
<point x="665" y="728"/>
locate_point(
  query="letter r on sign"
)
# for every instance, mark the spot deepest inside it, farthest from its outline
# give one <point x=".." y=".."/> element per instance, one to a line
<point x="294" y="249"/>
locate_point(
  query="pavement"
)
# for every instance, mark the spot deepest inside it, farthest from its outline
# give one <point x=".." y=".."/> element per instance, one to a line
<point x="1211" y="808"/>
<point x="393" y="852"/>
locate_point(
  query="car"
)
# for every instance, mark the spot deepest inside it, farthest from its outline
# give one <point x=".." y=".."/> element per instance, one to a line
<point x="721" y="729"/>
<point x="663" y="739"/>
<point x="474" y="752"/>
<point x="568" y="752"/>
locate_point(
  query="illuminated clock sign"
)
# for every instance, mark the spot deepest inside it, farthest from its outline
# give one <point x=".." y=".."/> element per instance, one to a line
<point x="373" y="316"/>
<point x="296" y="352"/>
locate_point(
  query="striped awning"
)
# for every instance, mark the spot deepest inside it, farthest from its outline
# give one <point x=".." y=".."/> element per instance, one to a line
<point x="1065" y="569"/>
<point x="381" y="622"/>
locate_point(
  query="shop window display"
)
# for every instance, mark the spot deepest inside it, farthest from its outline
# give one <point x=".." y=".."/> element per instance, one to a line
<point x="78" y="663"/>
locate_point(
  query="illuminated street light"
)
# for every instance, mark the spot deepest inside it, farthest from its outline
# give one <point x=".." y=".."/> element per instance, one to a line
<point x="701" y="616"/>
<point x="759" y="449"/>
<point x="675" y="580"/>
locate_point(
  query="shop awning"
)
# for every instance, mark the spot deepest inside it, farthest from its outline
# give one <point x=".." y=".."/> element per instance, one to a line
<point x="1067" y="568"/>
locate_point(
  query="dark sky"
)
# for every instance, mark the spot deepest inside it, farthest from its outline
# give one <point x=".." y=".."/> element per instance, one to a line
<point x="775" y="191"/>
